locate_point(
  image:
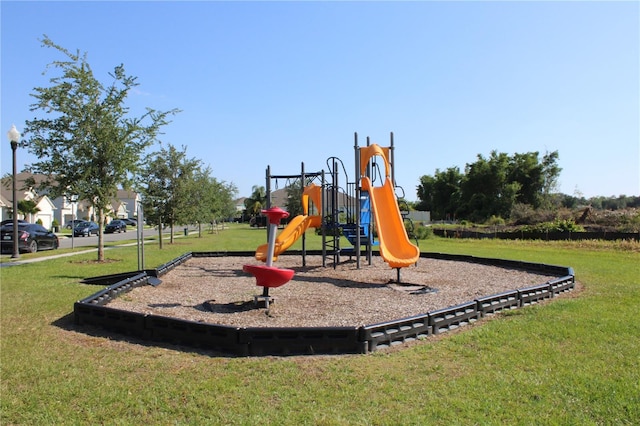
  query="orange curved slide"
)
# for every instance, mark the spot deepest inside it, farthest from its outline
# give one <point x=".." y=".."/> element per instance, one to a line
<point x="289" y="235"/>
<point x="395" y="247"/>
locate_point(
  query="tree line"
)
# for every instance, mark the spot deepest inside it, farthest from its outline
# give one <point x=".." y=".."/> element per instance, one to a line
<point x="178" y="190"/>
<point x="504" y="187"/>
<point x="490" y="186"/>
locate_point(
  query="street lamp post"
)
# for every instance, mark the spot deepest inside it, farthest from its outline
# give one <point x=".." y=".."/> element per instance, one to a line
<point x="14" y="138"/>
<point x="74" y="200"/>
<point x="140" y="235"/>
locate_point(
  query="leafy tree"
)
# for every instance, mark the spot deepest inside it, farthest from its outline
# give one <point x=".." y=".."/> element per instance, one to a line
<point x="528" y="172"/>
<point x="87" y="143"/>
<point x="485" y="189"/>
<point x="211" y="200"/>
<point x="167" y="187"/>
<point x="293" y="205"/>
<point x="550" y="175"/>
<point x="294" y="197"/>
<point x="27" y="208"/>
<point x="222" y="205"/>
<point x="440" y="194"/>
<point x="490" y="186"/>
<point x="257" y="201"/>
<point x="425" y="192"/>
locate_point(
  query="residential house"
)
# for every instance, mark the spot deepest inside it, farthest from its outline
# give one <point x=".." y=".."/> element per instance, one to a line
<point x="44" y="205"/>
<point x="62" y="209"/>
<point x="126" y="204"/>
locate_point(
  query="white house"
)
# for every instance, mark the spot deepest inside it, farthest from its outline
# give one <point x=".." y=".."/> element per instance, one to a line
<point x="62" y="209"/>
<point x="44" y="206"/>
<point x="126" y="204"/>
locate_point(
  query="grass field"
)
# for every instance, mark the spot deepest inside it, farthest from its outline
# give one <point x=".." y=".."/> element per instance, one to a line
<point x="574" y="361"/>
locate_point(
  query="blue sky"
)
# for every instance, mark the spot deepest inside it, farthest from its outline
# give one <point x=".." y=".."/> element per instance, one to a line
<point x="280" y="83"/>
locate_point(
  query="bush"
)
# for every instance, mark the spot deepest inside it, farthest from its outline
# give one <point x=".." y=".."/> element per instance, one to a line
<point x="423" y="232"/>
<point x="525" y="214"/>
<point x="495" y="221"/>
<point x="558" y="225"/>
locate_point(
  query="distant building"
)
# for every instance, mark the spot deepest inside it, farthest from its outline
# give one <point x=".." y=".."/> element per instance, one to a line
<point x="45" y="206"/>
<point x="62" y="209"/>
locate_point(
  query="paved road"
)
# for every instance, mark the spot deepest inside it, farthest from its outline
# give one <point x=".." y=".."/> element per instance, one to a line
<point x="91" y="243"/>
<point x="66" y="241"/>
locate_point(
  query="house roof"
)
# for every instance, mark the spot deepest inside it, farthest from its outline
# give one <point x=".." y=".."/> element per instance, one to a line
<point x="26" y="192"/>
<point x="124" y="194"/>
<point x="6" y="191"/>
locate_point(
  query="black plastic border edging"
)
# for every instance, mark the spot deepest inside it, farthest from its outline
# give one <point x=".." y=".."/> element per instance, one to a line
<point x="261" y="341"/>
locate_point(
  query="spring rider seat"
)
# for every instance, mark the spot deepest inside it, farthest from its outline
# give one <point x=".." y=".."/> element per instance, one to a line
<point x="268" y="276"/>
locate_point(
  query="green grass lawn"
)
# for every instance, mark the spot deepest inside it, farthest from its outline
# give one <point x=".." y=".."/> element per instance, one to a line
<point x="573" y="361"/>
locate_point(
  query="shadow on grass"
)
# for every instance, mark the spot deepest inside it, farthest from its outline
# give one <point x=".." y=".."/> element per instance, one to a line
<point x="70" y="277"/>
<point x="68" y="324"/>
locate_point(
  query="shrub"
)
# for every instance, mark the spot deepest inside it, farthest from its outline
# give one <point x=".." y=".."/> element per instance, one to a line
<point x="525" y="214"/>
<point x="495" y="221"/>
<point x="423" y="232"/>
<point x="558" y="225"/>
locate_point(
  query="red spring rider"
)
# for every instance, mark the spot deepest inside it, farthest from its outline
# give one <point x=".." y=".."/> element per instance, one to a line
<point x="267" y="275"/>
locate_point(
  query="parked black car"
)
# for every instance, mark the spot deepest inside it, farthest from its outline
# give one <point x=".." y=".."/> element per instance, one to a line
<point x="130" y="222"/>
<point x="115" y="226"/>
<point x="31" y="238"/>
<point x="85" y="229"/>
<point x="73" y="223"/>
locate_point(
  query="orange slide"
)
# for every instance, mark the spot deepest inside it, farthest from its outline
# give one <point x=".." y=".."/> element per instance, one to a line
<point x="395" y="247"/>
<point x="298" y="225"/>
<point x="289" y="235"/>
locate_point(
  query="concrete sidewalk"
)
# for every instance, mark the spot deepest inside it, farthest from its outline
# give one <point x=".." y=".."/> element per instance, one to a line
<point x="57" y="256"/>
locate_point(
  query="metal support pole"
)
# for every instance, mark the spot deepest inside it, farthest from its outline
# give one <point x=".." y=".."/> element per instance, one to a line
<point x="323" y="218"/>
<point x="268" y="193"/>
<point x="392" y="164"/>
<point x="304" y="236"/>
<point x="370" y="173"/>
<point x="273" y="229"/>
<point x="335" y="214"/>
<point x="357" y="198"/>
<point x="73" y="222"/>
<point x="16" y="250"/>
<point x="140" y="235"/>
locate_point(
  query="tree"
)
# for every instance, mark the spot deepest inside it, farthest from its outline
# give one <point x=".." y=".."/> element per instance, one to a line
<point x="257" y="201"/>
<point x="211" y="200"/>
<point x="490" y="186"/>
<point x="167" y="187"/>
<point x="294" y="197"/>
<point x="222" y="197"/>
<point x="440" y="194"/>
<point x="527" y="171"/>
<point x="28" y="208"/>
<point x="87" y="144"/>
<point x="550" y="175"/>
<point x="486" y="188"/>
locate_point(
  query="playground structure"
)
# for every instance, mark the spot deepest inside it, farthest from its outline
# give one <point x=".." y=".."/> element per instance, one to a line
<point x="362" y="199"/>
<point x="370" y="196"/>
<point x="260" y="340"/>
